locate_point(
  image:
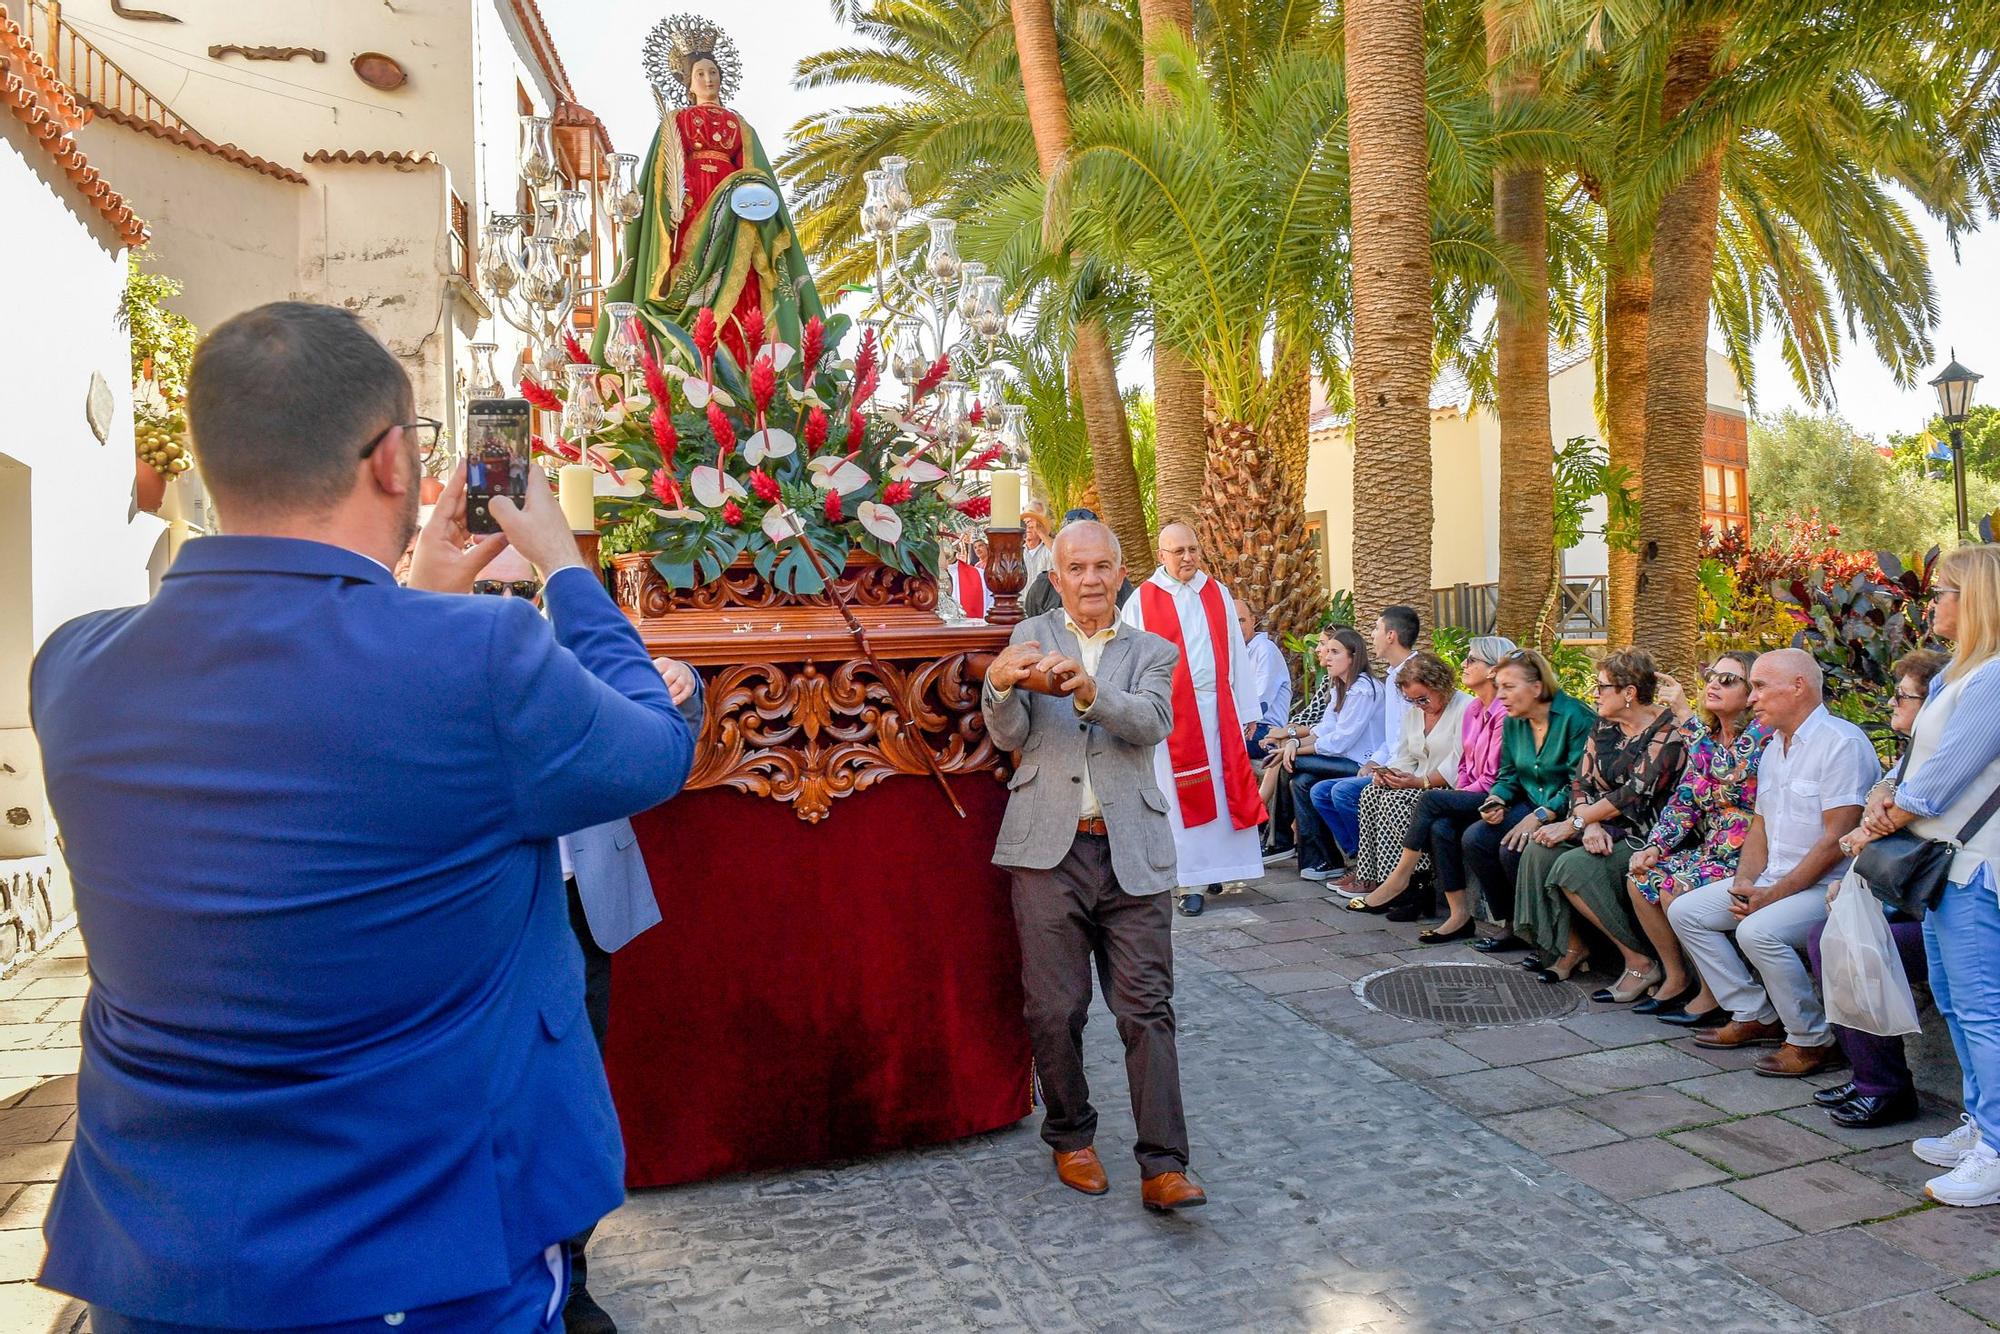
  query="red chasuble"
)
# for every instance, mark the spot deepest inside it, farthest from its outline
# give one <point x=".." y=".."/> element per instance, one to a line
<point x="971" y="591"/>
<point x="1187" y="748"/>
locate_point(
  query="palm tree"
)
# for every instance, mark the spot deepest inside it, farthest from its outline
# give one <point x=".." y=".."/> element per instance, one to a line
<point x="963" y="115"/>
<point x="1391" y="281"/>
<point x="1181" y="437"/>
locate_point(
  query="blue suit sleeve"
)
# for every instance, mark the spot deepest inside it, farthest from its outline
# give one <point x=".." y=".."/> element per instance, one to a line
<point x="587" y="732"/>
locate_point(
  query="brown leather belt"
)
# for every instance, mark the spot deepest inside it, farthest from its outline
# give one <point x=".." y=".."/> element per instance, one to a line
<point x="1095" y="826"/>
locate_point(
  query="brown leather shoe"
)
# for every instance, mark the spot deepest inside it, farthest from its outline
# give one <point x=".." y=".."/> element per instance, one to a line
<point x="1790" y="1062"/>
<point x="1079" y="1170"/>
<point x="1171" y="1190"/>
<point x="1741" y="1033"/>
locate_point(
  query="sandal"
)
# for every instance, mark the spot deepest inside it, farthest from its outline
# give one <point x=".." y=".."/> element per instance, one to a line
<point x="1562" y="968"/>
<point x="1640" y="983"/>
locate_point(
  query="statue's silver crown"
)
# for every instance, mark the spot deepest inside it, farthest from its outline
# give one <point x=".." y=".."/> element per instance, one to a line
<point x="671" y="50"/>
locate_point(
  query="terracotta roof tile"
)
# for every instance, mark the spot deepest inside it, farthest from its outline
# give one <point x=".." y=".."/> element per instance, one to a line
<point x="575" y="113"/>
<point x="395" y="157"/>
<point x="200" y="143"/>
<point x="37" y="98"/>
<point x="543" y="43"/>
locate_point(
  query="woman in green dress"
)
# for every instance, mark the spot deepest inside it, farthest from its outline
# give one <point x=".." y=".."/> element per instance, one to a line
<point x="1576" y="866"/>
<point x="714" y="231"/>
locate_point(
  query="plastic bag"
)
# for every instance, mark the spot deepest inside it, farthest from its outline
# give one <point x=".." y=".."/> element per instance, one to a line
<point x="1860" y="970"/>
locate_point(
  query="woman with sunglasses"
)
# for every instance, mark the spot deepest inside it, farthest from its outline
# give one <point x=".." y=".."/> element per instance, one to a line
<point x="1426" y="759"/>
<point x="1576" y="866"/>
<point x="1953" y="766"/>
<point x="1441" y="813"/>
<point x="1699" y="834"/>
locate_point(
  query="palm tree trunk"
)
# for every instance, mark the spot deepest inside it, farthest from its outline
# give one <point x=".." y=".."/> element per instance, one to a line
<point x="1628" y="301"/>
<point x="1529" y="565"/>
<point x="1092" y="363"/>
<point x="1683" y="263"/>
<point x="1180" y="442"/>
<point x="1391" y="257"/>
<point x="1291" y="416"/>
<point x="1251" y="538"/>
<point x="1095" y="372"/>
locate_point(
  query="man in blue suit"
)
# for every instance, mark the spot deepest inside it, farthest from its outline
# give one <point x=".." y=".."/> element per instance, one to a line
<point x="336" y="1074"/>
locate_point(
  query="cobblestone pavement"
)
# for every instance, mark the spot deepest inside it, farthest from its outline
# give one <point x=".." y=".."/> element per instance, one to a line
<point x="1365" y="1173"/>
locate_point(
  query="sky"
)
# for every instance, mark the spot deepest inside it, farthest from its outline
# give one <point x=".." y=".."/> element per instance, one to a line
<point x="601" y="41"/>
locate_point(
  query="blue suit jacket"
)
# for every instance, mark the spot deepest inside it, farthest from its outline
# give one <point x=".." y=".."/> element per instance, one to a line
<point x="334" y="1057"/>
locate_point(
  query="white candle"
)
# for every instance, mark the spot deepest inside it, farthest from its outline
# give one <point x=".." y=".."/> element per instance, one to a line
<point x="574" y="486"/>
<point x="1006" y="500"/>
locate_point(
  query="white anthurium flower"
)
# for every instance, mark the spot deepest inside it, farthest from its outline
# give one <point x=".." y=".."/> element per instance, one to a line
<point x="678" y="516"/>
<point x="914" y="469"/>
<point x="697" y="392"/>
<point x="770" y="443"/>
<point x="831" y="472"/>
<point x="953" y="491"/>
<point x="675" y="369"/>
<point x="624" y="482"/>
<point x="881" y="521"/>
<point x="804" y="397"/>
<point x="778" y="523"/>
<point x="782" y="355"/>
<point x="604" y="458"/>
<point x="712" y="486"/>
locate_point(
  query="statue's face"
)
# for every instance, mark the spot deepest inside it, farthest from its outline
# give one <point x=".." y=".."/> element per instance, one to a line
<point x="705" y="82"/>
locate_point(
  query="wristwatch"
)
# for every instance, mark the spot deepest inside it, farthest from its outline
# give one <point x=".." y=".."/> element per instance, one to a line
<point x="1576" y="822"/>
<point x="1543" y="814"/>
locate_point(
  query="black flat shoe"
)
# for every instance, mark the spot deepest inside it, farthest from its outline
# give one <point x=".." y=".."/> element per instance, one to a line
<point x="1663" y="1004"/>
<point x="1191" y="905"/>
<point x="1436" y="937"/>
<point x="1408" y="910"/>
<point x="1836" y="1095"/>
<point x="1865" y="1111"/>
<point x="1714" y="1018"/>
<point x="1499" y="944"/>
<point x="1360" y="903"/>
<point x="1532" y="961"/>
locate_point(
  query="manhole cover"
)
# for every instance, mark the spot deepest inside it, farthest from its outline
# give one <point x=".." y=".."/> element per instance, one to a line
<point x="1467" y="994"/>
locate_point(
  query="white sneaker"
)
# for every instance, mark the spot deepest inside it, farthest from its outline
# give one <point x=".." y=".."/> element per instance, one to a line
<point x="1975" y="1181"/>
<point x="1321" y="873"/>
<point x="1946" y="1150"/>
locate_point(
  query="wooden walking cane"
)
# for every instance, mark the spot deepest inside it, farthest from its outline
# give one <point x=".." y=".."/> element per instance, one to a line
<point x="797" y="530"/>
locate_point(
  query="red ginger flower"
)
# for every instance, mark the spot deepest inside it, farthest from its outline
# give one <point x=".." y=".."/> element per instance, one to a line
<point x="857" y="431"/>
<point x="833" y="514"/>
<point x="816" y="428"/>
<point x="864" y="384"/>
<point x="542" y="398"/>
<point x="666" y="488"/>
<point x="574" y="348"/>
<point x="932" y="377"/>
<point x="704" y="333"/>
<point x="664" y="434"/>
<point x="656" y="382"/>
<point x="864" y="360"/>
<point x="719" y="427"/>
<point x="979" y="507"/>
<point x="984" y="458"/>
<point x="753" y="327"/>
<point x="978" y="413"/>
<point x="813" y="343"/>
<point x="897" y="493"/>
<point x="765" y="485"/>
<point x="561" y="448"/>
<point x="732" y="514"/>
<point x="763" y="381"/>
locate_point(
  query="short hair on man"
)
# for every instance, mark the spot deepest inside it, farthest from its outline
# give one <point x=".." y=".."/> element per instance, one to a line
<point x="1403" y="624"/>
<point x="281" y="400"/>
<point x="1117" y="548"/>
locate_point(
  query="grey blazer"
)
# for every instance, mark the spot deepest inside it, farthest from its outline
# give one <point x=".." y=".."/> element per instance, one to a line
<point x="610" y="871"/>
<point x="1133" y="713"/>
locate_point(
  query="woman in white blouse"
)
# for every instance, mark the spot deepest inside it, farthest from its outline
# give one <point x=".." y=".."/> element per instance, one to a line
<point x="1335" y="747"/>
<point x="1426" y="757"/>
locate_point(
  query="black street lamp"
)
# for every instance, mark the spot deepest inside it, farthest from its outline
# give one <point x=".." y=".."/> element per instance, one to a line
<point x="1954" y="390"/>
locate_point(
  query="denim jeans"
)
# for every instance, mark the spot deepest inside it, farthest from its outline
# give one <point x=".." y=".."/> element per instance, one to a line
<point x="1961" y="942"/>
<point x="1338" y="804"/>
<point x="1315" y="848"/>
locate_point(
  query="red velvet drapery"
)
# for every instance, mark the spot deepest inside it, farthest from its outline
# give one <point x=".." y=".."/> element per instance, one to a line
<point x="817" y="991"/>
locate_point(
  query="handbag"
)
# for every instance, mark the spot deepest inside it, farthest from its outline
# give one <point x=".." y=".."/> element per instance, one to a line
<point x="1909" y="872"/>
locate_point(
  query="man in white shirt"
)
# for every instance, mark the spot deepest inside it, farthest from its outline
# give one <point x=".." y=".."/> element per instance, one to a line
<point x="1213" y="802"/>
<point x="1035" y="548"/>
<point x="1273" y="679"/>
<point x="1812" y="784"/>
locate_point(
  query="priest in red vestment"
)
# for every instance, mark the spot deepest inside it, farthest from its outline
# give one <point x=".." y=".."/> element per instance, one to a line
<point x="1204" y="767"/>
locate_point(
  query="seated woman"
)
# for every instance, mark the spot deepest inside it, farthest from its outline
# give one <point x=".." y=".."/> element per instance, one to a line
<point x="1440" y="815"/>
<point x="1277" y="794"/>
<point x="1629" y="768"/>
<point x="1699" y="834"/>
<point x="1425" y="759"/>
<point x="1540" y="746"/>
<point x="1345" y="736"/>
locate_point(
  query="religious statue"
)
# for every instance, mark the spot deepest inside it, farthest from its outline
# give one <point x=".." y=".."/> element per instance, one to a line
<point x="714" y="231"/>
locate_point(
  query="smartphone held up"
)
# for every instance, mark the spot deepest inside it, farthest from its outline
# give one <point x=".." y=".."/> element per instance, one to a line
<point x="496" y="458"/>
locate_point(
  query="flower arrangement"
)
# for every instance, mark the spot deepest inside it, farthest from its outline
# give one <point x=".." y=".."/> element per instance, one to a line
<point x="707" y="464"/>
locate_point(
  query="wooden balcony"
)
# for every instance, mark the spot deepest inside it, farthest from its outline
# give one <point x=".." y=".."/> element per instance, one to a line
<point x="1475" y="606"/>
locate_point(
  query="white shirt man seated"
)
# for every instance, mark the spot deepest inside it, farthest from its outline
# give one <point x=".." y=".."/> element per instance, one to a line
<point x="1812" y="784"/>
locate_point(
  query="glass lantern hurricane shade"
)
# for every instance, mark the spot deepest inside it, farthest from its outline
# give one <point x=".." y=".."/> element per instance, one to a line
<point x="969" y="275"/>
<point x="582" y="415"/>
<point x="485" y="374"/>
<point x="624" y="345"/>
<point x="943" y="262"/>
<point x="538" y="152"/>
<point x="906" y="350"/>
<point x="1954" y="390"/>
<point x="622" y="198"/>
<point x="878" y="214"/>
<point x="572" y="223"/>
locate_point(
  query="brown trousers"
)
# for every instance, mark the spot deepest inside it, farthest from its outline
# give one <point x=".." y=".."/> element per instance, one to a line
<point x="1066" y="917"/>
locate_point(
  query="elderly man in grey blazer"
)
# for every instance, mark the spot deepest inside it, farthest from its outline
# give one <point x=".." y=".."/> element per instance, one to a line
<point x="1084" y="700"/>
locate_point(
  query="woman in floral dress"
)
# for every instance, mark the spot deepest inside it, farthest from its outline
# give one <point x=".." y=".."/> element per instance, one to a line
<point x="1699" y="834"/>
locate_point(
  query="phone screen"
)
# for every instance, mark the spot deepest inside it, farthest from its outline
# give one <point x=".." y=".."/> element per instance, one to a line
<point x="496" y="457"/>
